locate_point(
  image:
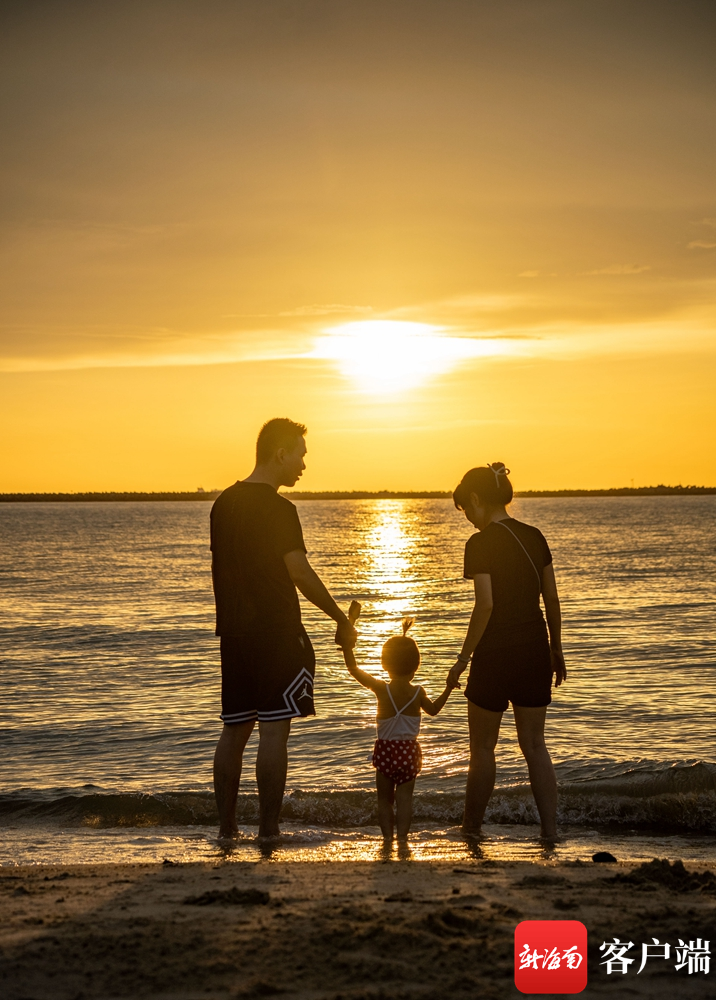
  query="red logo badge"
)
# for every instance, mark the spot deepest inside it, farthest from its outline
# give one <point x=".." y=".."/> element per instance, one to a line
<point x="550" y="956"/>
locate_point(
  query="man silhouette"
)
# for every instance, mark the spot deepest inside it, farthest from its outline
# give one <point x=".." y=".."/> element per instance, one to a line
<point x="267" y="661"/>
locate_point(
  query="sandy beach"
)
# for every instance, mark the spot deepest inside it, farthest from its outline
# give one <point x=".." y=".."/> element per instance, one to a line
<point x="324" y="931"/>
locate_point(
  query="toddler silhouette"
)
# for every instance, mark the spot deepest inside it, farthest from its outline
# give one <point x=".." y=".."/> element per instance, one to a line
<point x="397" y="756"/>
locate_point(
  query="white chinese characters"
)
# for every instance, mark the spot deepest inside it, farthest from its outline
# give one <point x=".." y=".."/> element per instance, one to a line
<point x="694" y="956"/>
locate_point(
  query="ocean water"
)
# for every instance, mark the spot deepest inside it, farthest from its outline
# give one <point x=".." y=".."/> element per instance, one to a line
<point x="110" y="680"/>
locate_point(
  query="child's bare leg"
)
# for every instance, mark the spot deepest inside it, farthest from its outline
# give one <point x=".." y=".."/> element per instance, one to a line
<point x="404" y="808"/>
<point x="386" y="794"/>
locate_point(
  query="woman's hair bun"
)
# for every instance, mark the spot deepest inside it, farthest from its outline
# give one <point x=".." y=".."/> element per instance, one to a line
<point x="500" y="468"/>
<point x="407" y="623"/>
<point x="489" y="482"/>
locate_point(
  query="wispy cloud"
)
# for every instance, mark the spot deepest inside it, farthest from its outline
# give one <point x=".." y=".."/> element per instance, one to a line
<point x="458" y="308"/>
<point x="328" y="309"/>
<point x="541" y="321"/>
<point x="152" y="350"/>
<point x="621" y="269"/>
<point x="528" y="274"/>
<point x="700" y="245"/>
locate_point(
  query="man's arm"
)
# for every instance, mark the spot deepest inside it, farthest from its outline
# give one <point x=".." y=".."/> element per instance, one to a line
<point x="478" y="623"/>
<point x="553" y="614"/>
<point x="313" y="589"/>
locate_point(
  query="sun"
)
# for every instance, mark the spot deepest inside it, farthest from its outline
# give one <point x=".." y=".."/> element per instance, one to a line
<point x="385" y="356"/>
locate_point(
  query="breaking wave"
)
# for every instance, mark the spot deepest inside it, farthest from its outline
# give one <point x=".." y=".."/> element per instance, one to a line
<point x="679" y="798"/>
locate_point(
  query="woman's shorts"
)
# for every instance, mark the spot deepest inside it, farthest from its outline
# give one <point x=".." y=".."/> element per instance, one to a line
<point x="398" y="760"/>
<point x="268" y="676"/>
<point x="518" y="674"/>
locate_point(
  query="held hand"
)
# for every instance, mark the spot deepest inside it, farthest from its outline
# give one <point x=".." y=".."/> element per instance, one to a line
<point x="346" y="635"/>
<point x="558" y="668"/>
<point x="453" y="677"/>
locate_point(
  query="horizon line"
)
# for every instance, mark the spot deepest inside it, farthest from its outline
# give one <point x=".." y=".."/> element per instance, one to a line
<point x="204" y="495"/>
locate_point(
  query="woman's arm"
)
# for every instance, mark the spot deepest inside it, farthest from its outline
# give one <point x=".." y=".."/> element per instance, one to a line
<point x="478" y="623"/>
<point x="553" y="614"/>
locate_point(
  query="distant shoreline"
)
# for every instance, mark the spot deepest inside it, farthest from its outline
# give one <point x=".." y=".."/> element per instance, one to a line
<point x="621" y="491"/>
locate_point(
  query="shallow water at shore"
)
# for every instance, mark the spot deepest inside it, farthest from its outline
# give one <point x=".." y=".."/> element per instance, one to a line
<point x="503" y="842"/>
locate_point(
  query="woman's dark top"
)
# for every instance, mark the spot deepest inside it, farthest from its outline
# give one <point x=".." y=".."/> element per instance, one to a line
<point x="516" y="613"/>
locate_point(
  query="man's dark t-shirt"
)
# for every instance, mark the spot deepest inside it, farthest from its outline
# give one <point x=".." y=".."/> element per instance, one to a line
<point x="252" y="529"/>
<point x="516" y="613"/>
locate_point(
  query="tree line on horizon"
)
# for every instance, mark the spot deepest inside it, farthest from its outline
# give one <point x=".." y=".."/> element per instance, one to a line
<point x="615" y="491"/>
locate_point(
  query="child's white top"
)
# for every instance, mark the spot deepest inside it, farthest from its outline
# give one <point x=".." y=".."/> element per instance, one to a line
<point x="399" y="726"/>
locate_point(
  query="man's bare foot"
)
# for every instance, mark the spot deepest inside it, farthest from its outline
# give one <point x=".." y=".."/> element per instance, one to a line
<point x="549" y="838"/>
<point x="228" y="829"/>
<point x="471" y="831"/>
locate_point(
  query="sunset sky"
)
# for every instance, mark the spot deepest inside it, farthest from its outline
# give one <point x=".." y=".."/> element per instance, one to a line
<point x="439" y="233"/>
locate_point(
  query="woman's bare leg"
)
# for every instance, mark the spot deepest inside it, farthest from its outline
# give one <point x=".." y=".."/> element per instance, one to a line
<point x="386" y="794"/>
<point x="404" y="808"/>
<point x="484" y="730"/>
<point x="530" y="733"/>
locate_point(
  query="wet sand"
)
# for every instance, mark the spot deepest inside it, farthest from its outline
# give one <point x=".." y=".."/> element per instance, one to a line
<point x="330" y="931"/>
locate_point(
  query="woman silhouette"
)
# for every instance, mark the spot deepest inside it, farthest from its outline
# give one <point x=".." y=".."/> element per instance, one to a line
<point x="513" y="660"/>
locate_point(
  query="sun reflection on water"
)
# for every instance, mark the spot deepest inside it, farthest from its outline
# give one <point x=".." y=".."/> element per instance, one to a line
<point x="390" y="564"/>
<point x="396" y="580"/>
<point x="387" y="582"/>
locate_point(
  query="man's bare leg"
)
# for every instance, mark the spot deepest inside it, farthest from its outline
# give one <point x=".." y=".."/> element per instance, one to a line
<point x="484" y="730"/>
<point x="271" y="768"/>
<point x="227" y="774"/>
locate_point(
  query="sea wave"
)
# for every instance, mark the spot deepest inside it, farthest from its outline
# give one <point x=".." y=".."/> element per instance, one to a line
<point x="681" y="798"/>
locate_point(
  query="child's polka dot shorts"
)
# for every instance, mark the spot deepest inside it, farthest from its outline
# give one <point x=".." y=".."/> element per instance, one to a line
<point x="398" y="760"/>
